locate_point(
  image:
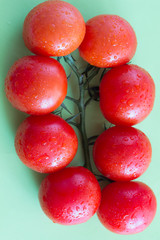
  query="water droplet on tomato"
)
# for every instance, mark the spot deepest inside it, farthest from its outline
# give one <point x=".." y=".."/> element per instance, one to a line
<point x="125" y="139"/>
<point x="69" y="211"/>
<point x="139" y="75"/>
<point x="130" y="102"/>
<point x="109" y="53"/>
<point x="123" y="101"/>
<point x="84" y="208"/>
<point x="77" y="208"/>
<point x="142" y="95"/>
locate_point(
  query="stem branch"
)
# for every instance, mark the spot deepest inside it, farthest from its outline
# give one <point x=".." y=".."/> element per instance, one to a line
<point x="82" y="103"/>
<point x="83" y="130"/>
<point x="69" y="60"/>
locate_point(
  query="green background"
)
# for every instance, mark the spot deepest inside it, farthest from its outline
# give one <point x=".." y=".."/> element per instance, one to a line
<point x="21" y="217"/>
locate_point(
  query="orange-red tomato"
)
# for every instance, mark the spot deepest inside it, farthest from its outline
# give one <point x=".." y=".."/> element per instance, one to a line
<point x="53" y="28"/>
<point x="70" y="196"/>
<point x="127" y="95"/>
<point x="109" y="41"/>
<point x="127" y="207"/>
<point x="46" y="143"/>
<point x="36" y="85"/>
<point x="122" y="153"/>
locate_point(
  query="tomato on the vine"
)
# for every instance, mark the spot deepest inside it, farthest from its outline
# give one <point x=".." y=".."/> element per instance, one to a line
<point x="109" y="41"/>
<point x="36" y="85"/>
<point x="127" y="207"/>
<point x="53" y="28"/>
<point x="127" y="95"/>
<point x="122" y="153"/>
<point x="46" y="143"/>
<point x="70" y="196"/>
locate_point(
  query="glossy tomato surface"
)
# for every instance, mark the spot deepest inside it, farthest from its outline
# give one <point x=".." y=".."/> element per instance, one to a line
<point x="122" y="153"/>
<point x="109" y="41"/>
<point x="127" y="95"/>
<point x="46" y="143"/>
<point x="53" y="28"/>
<point x="70" y="196"/>
<point x="127" y="207"/>
<point x="36" y="85"/>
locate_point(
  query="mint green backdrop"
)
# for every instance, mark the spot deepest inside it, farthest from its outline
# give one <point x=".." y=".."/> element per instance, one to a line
<point x="21" y="217"/>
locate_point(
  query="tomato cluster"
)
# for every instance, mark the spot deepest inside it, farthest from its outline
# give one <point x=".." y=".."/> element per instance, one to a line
<point x="46" y="143"/>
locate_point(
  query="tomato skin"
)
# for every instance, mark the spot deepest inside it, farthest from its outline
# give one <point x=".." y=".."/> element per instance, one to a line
<point x="127" y="95"/>
<point x="36" y="85"/>
<point x="46" y="143"/>
<point x="53" y="28"/>
<point x="109" y="41"/>
<point x="70" y="196"/>
<point x="122" y="153"/>
<point x="127" y="207"/>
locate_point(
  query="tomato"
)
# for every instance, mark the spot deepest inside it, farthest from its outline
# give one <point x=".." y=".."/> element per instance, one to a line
<point x="109" y="41"/>
<point x="36" y="85"/>
<point x="53" y="28"/>
<point x="46" y="143"/>
<point x="70" y="196"/>
<point x="127" y="207"/>
<point x="122" y="153"/>
<point x="127" y="95"/>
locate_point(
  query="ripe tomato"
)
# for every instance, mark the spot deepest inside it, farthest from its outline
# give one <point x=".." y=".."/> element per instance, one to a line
<point x="46" y="143"/>
<point x="70" y="196"/>
<point x="109" y="41"/>
<point x="127" y="207"/>
<point x="36" y="85"/>
<point x="53" y="28"/>
<point x="127" y="95"/>
<point x="122" y="153"/>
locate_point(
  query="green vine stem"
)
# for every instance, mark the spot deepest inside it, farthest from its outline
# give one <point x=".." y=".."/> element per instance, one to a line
<point x="81" y="107"/>
<point x="84" y="80"/>
<point x="83" y="129"/>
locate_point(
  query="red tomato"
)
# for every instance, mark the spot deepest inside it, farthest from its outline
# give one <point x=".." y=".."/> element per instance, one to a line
<point x="127" y="207"/>
<point x="53" y="28"/>
<point x="122" y="153"/>
<point x="70" y="196"/>
<point x="127" y="95"/>
<point x="36" y="85"/>
<point x="46" y="143"/>
<point x="109" y="41"/>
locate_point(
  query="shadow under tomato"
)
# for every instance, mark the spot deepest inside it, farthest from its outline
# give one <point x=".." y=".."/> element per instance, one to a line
<point x="13" y="116"/>
<point x="38" y="177"/>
